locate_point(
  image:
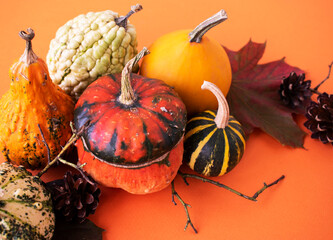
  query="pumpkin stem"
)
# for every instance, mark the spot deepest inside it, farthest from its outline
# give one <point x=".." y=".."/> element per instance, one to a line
<point x="222" y="115"/>
<point x="197" y="34"/>
<point x="28" y="56"/>
<point x="127" y="95"/>
<point x="122" y="21"/>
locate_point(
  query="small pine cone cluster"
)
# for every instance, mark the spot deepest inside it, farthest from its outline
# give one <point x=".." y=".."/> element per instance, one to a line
<point x="74" y="197"/>
<point x="295" y="92"/>
<point x="320" y="118"/>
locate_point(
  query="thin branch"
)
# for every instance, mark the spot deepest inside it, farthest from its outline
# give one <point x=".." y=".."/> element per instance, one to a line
<point x="267" y="186"/>
<point x="315" y="91"/>
<point x="45" y="143"/>
<point x="328" y="76"/>
<point x="76" y="135"/>
<point x="78" y="168"/>
<point x="185" y="205"/>
<point x="253" y="198"/>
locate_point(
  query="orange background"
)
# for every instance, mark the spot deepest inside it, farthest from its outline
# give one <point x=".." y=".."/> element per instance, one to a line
<point x="300" y="207"/>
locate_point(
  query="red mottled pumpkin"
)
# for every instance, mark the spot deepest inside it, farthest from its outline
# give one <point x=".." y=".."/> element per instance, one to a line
<point x="134" y="139"/>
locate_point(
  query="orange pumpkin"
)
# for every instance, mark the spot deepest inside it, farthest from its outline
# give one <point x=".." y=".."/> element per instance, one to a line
<point x="183" y="58"/>
<point x="33" y="104"/>
<point x="134" y="139"/>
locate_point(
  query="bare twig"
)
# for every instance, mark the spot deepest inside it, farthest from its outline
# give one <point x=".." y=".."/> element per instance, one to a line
<point x="253" y="198"/>
<point x="185" y="205"/>
<point x="76" y="135"/>
<point x="315" y="90"/>
<point x="45" y="143"/>
<point x="267" y="186"/>
<point x="78" y="168"/>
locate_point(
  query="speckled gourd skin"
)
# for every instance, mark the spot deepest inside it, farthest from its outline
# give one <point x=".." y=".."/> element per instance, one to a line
<point x="31" y="100"/>
<point x="88" y="47"/>
<point x="26" y="210"/>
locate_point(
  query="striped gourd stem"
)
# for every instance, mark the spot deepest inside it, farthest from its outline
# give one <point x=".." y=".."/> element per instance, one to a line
<point x="222" y="115"/>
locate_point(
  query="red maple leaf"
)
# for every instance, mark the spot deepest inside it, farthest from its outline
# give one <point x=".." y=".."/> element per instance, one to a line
<point x="253" y="96"/>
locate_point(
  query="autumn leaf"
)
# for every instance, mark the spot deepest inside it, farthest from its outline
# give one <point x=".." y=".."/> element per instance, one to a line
<point x="77" y="231"/>
<point x="253" y="96"/>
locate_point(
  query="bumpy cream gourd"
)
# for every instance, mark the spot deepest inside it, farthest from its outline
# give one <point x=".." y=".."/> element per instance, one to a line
<point x="90" y="46"/>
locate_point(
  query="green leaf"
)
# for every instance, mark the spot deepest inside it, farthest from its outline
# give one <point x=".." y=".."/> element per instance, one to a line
<point x="253" y="96"/>
<point x="77" y="231"/>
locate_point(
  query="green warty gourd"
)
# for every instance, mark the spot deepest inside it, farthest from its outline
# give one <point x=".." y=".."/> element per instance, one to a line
<point x="90" y="46"/>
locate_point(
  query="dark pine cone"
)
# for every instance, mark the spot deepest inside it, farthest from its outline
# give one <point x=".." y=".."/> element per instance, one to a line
<point x="74" y="198"/>
<point x="320" y="118"/>
<point x="295" y="92"/>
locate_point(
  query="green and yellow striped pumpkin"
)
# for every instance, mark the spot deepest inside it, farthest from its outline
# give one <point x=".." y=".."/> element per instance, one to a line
<point x="214" y="141"/>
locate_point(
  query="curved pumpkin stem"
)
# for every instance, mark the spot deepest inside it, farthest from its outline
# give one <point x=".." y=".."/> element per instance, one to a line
<point x="127" y="96"/>
<point x="222" y="115"/>
<point x="122" y="21"/>
<point x="28" y="56"/>
<point x="197" y="34"/>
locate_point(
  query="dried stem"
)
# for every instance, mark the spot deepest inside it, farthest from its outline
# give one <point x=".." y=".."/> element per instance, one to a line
<point x="327" y="77"/>
<point x="78" y="168"/>
<point x="253" y="198"/>
<point x="185" y="205"/>
<point x="28" y="57"/>
<point x="197" y="34"/>
<point x="76" y="135"/>
<point x="127" y="96"/>
<point x="122" y="21"/>
<point x="315" y="89"/>
<point x="45" y="143"/>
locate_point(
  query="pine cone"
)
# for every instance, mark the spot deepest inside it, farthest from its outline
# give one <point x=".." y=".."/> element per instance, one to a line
<point x="74" y="198"/>
<point x="320" y="118"/>
<point x="295" y="92"/>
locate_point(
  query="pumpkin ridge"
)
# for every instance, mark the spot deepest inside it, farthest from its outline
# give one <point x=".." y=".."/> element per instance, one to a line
<point x="199" y="147"/>
<point x="210" y="165"/>
<point x="235" y="153"/>
<point x="173" y="126"/>
<point x="198" y="118"/>
<point x="216" y="158"/>
<point x="211" y="113"/>
<point x="226" y="153"/>
<point x="147" y="142"/>
<point x="99" y="154"/>
<point x="197" y="130"/>
<point x="238" y="133"/>
<point x="198" y="122"/>
<point x="82" y="118"/>
<point x="154" y="83"/>
<point x="164" y="134"/>
<point x="102" y="90"/>
<point x="217" y="153"/>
